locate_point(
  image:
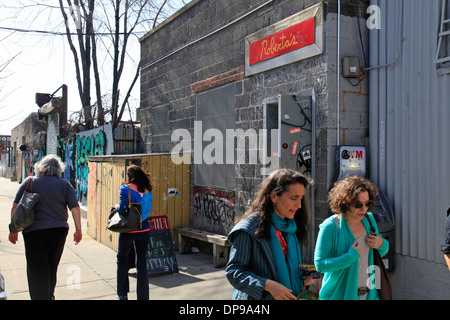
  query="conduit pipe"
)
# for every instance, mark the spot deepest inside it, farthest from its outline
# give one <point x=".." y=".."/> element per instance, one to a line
<point x="338" y="36"/>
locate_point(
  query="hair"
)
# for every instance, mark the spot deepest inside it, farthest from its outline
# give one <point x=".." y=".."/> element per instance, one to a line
<point x="279" y="181"/>
<point x="345" y="193"/>
<point x="50" y="165"/>
<point x="142" y="180"/>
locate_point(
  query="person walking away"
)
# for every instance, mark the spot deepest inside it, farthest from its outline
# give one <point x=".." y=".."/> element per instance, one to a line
<point x="140" y="186"/>
<point x="44" y="240"/>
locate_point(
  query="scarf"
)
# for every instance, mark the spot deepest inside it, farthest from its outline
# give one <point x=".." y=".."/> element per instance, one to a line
<point x="288" y="273"/>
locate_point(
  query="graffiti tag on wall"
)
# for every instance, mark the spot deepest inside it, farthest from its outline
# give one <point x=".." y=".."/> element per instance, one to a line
<point x="213" y="209"/>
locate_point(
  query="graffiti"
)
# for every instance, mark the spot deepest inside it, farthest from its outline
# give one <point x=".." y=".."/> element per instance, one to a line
<point x="304" y="160"/>
<point x="247" y="187"/>
<point x="93" y="145"/>
<point x="66" y="153"/>
<point x="89" y="145"/>
<point x="215" y="206"/>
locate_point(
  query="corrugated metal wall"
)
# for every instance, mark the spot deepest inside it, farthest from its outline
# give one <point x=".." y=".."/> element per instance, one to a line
<point x="409" y="124"/>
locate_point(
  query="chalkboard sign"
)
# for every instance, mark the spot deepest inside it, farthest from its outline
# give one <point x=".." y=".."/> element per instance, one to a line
<point x="161" y="251"/>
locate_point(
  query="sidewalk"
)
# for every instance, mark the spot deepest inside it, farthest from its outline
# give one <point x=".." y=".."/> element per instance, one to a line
<point x="87" y="271"/>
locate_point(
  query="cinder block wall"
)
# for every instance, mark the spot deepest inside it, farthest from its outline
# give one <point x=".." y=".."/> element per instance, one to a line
<point x="220" y="58"/>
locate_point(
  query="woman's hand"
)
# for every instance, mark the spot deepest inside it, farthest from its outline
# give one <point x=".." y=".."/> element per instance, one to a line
<point x="13" y="237"/>
<point x="278" y="291"/>
<point x="77" y="236"/>
<point x="357" y="247"/>
<point x="309" y="280"/>
<point x="374" y="241"/>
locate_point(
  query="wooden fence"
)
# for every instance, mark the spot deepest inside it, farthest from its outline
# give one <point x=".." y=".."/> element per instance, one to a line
<point x="106" y="175"/>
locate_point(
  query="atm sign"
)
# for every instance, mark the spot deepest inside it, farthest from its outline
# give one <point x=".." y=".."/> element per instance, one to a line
<point x="352" y="154"/>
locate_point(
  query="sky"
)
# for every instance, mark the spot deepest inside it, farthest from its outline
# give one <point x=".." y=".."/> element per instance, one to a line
<point x="42" y="62"/>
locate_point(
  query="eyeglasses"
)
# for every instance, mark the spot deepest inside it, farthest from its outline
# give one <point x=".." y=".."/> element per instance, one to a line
<point x="368" y="204"/>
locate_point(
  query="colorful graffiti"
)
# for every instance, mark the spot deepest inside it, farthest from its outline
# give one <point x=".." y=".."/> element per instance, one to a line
<point x="86" y="146"/>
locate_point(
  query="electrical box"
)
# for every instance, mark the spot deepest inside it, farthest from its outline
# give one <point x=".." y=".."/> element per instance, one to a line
<point x="351" y="67"/>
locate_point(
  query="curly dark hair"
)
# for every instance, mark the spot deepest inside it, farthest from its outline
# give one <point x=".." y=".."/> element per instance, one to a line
<point x="279" y="181"/>
<point x="345" y="193"/>
<point x="137" y="176"/>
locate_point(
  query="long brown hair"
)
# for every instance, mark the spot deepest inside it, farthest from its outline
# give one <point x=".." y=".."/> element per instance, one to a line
<point x="142" y="180"/>
<point x="279" y="181"/>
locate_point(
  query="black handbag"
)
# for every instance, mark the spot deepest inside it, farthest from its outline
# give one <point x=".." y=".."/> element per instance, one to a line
<point x="23" y="215"/>
<point x="127" y="221"/>
<point x="385" y="291"/>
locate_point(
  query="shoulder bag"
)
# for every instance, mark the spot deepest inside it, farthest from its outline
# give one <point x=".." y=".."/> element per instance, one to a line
<point x="385" y="291"/>
<point x="23" y="215"/>
<point x="127" y="221"/>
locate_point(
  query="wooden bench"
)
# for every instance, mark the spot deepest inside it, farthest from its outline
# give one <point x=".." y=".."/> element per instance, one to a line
<point x="221" y="245"/>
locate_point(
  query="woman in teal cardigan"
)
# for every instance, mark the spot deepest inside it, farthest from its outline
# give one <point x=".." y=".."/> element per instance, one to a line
<point x="344" y="248"/>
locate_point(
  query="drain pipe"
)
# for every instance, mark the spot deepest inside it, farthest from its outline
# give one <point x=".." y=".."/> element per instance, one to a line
<point x="337" y="71"/>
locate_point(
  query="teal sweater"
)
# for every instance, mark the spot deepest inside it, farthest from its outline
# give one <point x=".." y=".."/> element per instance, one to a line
<point x="338" y="260"/>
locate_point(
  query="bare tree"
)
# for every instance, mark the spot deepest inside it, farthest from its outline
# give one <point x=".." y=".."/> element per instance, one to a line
<point x="109" y="23"/>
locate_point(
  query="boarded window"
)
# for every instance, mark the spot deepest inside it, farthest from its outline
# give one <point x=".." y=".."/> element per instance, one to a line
<point x="215" y="112"/>
<point x="159" y="124"/>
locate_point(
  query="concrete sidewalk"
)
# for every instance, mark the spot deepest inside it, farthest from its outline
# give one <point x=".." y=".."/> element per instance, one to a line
<point x="87" y="271"/>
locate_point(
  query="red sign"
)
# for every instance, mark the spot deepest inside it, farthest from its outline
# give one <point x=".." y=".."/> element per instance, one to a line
<point x="298" y="36"/>
<point x="159" y="223"/>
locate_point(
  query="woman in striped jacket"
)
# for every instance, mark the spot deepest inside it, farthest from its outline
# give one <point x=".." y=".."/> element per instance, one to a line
<point x="265" y="253"/>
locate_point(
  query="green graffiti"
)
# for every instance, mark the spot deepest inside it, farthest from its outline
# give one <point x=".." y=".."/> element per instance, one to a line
<point x="93" y="145"/>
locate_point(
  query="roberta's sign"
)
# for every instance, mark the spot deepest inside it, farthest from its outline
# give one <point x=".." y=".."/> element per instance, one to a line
<point x="284" y="41"/>
<point x="292" y="39"/>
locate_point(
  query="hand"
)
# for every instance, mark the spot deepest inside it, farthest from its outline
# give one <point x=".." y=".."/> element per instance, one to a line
<point x="357" y="247"/>
<point x="278" y="291"/>
<point x="13" y="237"/>
<point x="77" y="236"/>
<point x="309" y="280"/>
<point x="374" y="241"/>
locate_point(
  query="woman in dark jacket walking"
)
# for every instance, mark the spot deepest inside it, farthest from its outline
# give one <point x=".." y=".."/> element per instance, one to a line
<point x="45" y="238"/>
<point x="265" y="252"/>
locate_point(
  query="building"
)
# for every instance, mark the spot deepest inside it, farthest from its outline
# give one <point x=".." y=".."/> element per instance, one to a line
<point x="218" y="74"/>
<point x="409" y="141"/>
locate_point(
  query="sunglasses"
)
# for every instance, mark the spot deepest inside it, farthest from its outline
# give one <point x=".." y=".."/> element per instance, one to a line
<point x="368" y="204"/>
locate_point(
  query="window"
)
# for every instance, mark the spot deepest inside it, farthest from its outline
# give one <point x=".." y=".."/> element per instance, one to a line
<point x="215" y="113"/>
<point x="443" y="44"/>
<point x="159" y="124"/>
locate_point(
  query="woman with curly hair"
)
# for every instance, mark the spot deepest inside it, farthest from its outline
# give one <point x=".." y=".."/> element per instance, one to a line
<point x="344" y="248"/>
<point x="265" y="252"/>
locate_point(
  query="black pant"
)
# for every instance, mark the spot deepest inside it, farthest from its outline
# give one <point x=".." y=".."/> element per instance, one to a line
<point x="43" y="250"/>
<point x="139" y="241"/>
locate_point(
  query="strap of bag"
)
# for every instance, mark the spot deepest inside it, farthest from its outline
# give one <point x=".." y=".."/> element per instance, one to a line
<point x="372" y="229"/>
<point x="129" y="206"/>
<point x="129" y="197"/>
<point x="29" y="181"/>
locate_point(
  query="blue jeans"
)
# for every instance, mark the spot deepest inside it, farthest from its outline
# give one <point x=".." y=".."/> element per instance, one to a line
<point x="140" y="241"/>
